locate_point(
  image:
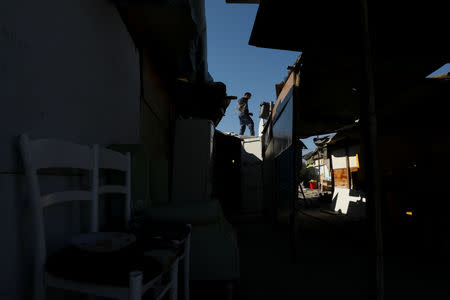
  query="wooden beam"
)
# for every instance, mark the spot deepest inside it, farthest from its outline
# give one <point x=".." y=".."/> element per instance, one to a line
<point x="347" y="163"/>
<point x="372" y="176"/>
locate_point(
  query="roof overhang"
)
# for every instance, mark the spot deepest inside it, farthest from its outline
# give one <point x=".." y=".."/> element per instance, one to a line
<point x="243" y="1"/>
<point x="397" y="27"/>
<point x="169" y="22"/>
<point x="408" y="40"/>
<point x="168" y="30"/>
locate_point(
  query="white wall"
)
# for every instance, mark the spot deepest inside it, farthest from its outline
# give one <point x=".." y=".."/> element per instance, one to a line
<point x="253" y="146"/>
<point x="325" y="172"/>
<point x="251" y="175"/>
<point x="11" y="214"/>
<point x="338" y="159"/>
<point x="68" y="69"/>
<point x="192" y="161"/>
<point x="352" y="156"/>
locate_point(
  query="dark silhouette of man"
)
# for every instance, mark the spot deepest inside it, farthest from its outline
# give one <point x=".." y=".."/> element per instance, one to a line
<point x="245" y="116"/>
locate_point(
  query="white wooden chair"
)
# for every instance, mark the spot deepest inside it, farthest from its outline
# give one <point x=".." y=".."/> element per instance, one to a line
<point x="48" y="153"/>
<point x="113" y="160"/>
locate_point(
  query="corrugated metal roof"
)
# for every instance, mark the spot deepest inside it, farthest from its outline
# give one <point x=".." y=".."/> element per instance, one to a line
<point x="321" y="141"/>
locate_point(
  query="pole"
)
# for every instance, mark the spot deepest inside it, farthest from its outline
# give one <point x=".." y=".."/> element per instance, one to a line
<point x="347" y="161"/>
<point x="369" y="138"/>
<point x="318" y="164"/>
<point x="297" y="156"/>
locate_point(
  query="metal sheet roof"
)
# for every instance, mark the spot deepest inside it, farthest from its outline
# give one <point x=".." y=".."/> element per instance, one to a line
<point x="399" y="27"/>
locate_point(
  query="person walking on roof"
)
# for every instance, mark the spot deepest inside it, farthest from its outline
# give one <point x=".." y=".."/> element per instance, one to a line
<point x="245" y="116"/>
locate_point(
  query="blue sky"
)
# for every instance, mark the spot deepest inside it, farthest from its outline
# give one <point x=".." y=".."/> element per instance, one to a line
<point x="445" y="68"/>
<point x="242" y="67"/>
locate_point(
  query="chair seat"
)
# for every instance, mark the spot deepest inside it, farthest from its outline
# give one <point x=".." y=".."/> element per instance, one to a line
<point x="164" y="256"/>
<point x="160" y="236"/>
<point x="110" y="269"/>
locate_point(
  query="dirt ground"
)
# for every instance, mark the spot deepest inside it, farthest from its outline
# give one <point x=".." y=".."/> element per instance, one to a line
<point x="332" y="261"/>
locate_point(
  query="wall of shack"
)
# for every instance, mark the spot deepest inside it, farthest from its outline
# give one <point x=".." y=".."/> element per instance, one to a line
<point x="68" y="70"/>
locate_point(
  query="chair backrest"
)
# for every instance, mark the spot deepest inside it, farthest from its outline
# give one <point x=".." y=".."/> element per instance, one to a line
<point x="113" y="160"/>
<point x="55" y="154"/>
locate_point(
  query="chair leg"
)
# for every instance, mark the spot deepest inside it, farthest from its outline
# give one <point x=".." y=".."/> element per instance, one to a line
<point x="40" y="283"/>
<point x="43" y="293"/>
<point x="186" y="268"/>
<point x="173" y="293"/>
<point x="135" y="286"/>
<point x="229" y="290"/>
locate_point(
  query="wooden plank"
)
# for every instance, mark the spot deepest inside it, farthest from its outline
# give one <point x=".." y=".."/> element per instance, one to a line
<point x="340" y="177"/>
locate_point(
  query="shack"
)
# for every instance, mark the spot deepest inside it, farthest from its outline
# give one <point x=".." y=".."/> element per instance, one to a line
<point x="343" y="153"/>
<point x="318" y="160"/>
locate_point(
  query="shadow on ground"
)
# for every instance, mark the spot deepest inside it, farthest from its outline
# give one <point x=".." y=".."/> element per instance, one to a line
<point x="332" y="262"/>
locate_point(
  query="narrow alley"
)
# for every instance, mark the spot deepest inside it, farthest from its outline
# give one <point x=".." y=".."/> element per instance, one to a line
<point x="126" y="171"/>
